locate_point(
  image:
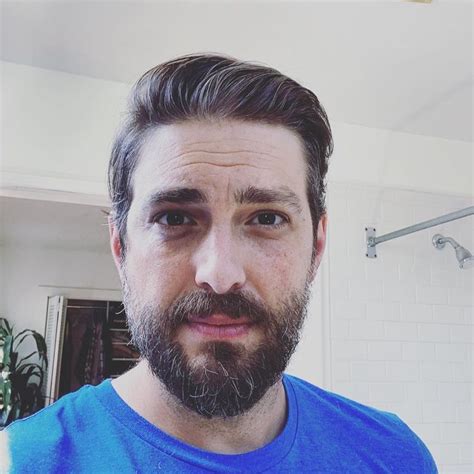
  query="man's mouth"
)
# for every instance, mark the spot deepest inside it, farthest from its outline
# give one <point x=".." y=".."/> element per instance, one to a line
<point x="220" y="325"/>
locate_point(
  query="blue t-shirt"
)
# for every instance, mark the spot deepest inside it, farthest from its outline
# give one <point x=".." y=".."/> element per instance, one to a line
<point x="93" y="430"/>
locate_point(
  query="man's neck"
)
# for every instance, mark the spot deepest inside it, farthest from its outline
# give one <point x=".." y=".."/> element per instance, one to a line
<point x="141" y="390"/>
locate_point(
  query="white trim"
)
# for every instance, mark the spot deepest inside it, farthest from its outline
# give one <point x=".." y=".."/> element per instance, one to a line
<point x="83" y="293"/>
<point x="394" y="188"/>
<point x="55" y="196"/>
<point x="79" y="288"/>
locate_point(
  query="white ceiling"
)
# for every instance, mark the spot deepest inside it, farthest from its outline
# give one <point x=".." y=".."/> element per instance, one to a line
<point x="395" y="65"/>
<point x="32" y="223"/>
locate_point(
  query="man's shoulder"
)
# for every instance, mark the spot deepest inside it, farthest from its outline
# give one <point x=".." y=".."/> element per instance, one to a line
<point x="308" y="394"/>
<point x="370" y="431"/>
<point x="53" y="417"/>
<point x="49" y="429"/>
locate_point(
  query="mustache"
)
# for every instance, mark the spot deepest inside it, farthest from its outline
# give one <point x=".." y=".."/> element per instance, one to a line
<point x="203" y="305"/>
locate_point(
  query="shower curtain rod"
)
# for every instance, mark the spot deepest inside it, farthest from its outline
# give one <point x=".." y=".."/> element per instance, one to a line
<point x="372" y="240"/>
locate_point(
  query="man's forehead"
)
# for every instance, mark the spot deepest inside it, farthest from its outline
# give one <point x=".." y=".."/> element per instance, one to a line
<point x="219" y="158"/>
<point x="223" y="136"/>
<point x="225" y="142"/>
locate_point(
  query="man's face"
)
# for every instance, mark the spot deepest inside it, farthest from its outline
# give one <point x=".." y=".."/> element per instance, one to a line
<point x="218" y="265"/>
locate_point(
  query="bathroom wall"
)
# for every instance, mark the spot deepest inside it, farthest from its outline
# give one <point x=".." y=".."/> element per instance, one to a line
<point x="401" y="325"/>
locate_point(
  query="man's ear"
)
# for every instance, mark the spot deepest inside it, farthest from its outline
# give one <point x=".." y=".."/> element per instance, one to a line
<point x="319" y="245"/>
<point x="115" y="244"/>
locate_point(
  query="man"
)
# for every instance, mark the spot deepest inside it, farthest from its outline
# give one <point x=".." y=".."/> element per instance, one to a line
<point x="217" y="228"/>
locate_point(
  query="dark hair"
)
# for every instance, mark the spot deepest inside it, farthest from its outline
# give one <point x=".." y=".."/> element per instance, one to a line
<point x="211" y="86"/>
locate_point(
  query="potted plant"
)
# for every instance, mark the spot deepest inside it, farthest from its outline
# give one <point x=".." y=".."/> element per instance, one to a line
<point x="20" y="380"/>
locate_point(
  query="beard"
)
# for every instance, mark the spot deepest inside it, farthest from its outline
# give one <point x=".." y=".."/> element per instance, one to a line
<point x="227" y="378"/>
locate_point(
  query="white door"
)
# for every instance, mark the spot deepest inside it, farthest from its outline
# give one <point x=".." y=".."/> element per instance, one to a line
<point x="54" y="336"/>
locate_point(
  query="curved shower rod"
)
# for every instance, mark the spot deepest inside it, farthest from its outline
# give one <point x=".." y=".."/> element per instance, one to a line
<point x="372" y="241"/>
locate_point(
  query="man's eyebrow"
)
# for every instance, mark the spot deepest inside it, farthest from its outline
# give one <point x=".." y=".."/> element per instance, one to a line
<point x="177" y="196"/>
<point x="249" y="195"/>
<point x="283" y="195"/>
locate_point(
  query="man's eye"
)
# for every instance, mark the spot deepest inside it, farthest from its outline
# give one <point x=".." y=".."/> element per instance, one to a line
<point x="269" y="219"/>
<point x="173" y="219"/>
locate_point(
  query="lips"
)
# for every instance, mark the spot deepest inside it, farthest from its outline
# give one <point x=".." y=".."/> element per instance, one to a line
<point x="220" y="325"/>
<point x="219" y="319"/>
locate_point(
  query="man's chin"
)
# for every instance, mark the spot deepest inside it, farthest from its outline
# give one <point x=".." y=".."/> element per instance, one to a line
<point x="217" y="372"/>
<point x="223" y="381"/>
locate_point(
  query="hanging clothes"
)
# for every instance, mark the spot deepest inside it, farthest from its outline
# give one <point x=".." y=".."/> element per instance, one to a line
<point x="85" y="349"/>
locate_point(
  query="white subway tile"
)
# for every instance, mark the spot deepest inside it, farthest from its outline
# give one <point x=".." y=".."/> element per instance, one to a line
<point x="455" y="392"/>
<point x="339" y="288"/>
<point x="418" y="351"/>
<point x="460" y="296"/>
<point x="362" y="208"/>
<point x="343" y="309"/>
<point x="445" y="276"/>
<point x="465" y="279"/>
<point x="465" y="451"/>
<point x="448" y="314"/>
<point x="455" y="468"/>
<point x="399" y="292"/>
<point x="454" y="352"/>
<point x="369" y="371"/>
<point x="422" y="391"/>
<point x="431" y="295"/>
<point x="416" y="312"/>
<point x="469" y="316"/>
<point x="360" y="290"/>
<point x="400" y="215"/>
<point x="394" y="258"/>
<point x="400" y="331"/>
<point x="349" y="350"/>
<point x="456" y="432"/>
<point x="337" y="246"/>
<point x="448" y="453"/>
<point x="366" y="330"/>
<point x="386" y="391"/>
<point x="438" y="412"/>
<point x="377" y="270"/>
<point x="464" y="412"/>
<point x="339" y="329"/>
<point x="403" y="371"/>
<point x="337" y="210"/>
<point x="419" y="273"/>
<point x="430" y="332"/>
<point x="437" y="371"/>
<point x="336" y="190"/>
<point x="440" y="260"/>
<point x="461" y="333"/>
<point x="385" y="350"/>
<point x="341" y="371"/>
<point x="383" y="311"/>
<point x="346" y="267"/>
<point x="463" y="372"/>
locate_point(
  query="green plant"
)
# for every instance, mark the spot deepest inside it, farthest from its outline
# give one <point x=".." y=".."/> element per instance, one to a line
<point x="20" y="381"/>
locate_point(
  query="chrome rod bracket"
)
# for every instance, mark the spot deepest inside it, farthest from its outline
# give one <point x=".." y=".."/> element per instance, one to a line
<point x="370" y="233"/>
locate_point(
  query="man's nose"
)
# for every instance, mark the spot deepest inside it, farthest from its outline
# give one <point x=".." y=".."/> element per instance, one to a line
<point x="219" y="265"/>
